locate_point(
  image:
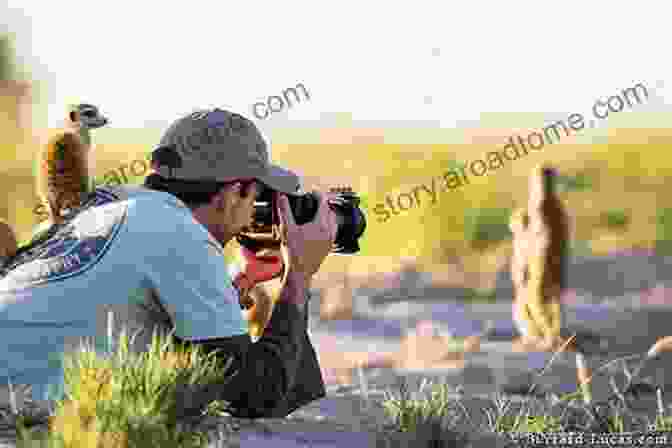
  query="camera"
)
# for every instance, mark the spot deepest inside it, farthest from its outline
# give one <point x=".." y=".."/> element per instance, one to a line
<point x="343" y="202"/>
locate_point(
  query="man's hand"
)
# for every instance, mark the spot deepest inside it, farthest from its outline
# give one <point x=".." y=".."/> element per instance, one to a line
<point x="300" y="256"/>
<point x="305" y="247"/>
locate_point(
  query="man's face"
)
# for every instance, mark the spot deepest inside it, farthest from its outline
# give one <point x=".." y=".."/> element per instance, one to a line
<point x="229" y="212"/>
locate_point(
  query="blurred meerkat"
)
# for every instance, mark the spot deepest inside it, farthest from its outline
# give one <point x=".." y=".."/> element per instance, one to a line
<point x="540" y="258"/>
<point x="518" y="224"/>
<point x="63" y="175"/>
<point x="263" y="302"/>
<point x="8" y="242"/>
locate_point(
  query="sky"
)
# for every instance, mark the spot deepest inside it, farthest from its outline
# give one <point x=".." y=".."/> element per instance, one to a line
<point x="145" y="63"/>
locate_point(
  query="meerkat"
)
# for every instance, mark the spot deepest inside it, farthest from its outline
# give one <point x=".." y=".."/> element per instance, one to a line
<point x="64" y="162"/>
<point x="518" y="224"/>
<point x="540" y="258"/>
<point x="258" y="315"/>
<point x="8" y="242"/>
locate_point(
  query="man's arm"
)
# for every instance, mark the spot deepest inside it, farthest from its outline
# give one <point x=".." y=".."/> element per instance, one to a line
<point x="193" y="288"/>
<point x="261" y="374"/>
<point x="192" y="280"/>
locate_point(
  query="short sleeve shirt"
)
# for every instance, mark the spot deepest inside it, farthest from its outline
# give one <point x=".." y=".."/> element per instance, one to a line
<point x="130" y="258"/>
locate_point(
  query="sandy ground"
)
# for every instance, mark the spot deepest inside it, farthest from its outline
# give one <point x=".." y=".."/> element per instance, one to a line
<point x="345" y="418"/>
<point x="605" y="331"/>
<point x="624" y="325"/>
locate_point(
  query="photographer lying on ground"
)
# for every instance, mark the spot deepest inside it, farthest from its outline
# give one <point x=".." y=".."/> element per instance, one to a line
<point x="155" y="258"/>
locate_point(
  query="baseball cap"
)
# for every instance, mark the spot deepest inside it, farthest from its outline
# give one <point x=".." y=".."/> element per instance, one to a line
<point x="219" y="146"/>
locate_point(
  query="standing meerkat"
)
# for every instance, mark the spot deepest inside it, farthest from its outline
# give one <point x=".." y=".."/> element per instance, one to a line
<point x="518" y="224"/>
<point x="63" y="175"/>
<point x="539" y="262"/>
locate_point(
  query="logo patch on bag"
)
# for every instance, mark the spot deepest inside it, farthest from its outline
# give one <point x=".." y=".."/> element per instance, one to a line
<point x="75" y="248"/>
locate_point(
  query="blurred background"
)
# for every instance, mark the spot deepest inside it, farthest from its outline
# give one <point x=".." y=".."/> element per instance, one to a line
<point x="397" y="96"/>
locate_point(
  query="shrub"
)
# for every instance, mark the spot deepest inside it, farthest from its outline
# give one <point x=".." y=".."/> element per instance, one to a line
<point x="484" y="226"/>
<point x="580" y="248"/>
<point x="616" y="219"/>
<point x="664" y="229"/>
<point x="578" y="182"/>
<point x="7" y="58"/>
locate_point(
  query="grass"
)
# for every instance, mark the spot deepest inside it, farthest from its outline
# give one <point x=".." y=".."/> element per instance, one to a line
<point x="440" y="412"/>
<point x="137" y="390"/>
<point x="580" y="248"/>
<point x="486" y="225"/>
<point x="596" y="180"/>
<point x="376" y="170"/>
<point x="664" y="234"/>
<point x="616" y="219"/>
<point x="577" y="182"/>
<point x="473" y="295"/>
<point x="126" y="399"/>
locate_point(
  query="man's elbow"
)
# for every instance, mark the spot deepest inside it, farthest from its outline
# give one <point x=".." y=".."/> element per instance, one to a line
<point x="257" y="407"/>
<point x="265" y="390"/>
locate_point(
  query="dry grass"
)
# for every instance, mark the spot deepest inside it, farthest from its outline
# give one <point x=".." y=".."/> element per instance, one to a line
<point x="439" y="412"/>
<point x="629" y="178"/>
<point x="126" y="399"/>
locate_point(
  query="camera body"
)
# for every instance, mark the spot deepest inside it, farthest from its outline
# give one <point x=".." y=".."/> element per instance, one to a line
<point x="343" y="202"/>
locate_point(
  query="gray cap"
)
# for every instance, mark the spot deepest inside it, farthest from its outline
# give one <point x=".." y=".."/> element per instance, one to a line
<point x="218" y="145"/>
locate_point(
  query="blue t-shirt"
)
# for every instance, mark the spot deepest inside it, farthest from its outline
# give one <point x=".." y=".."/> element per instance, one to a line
<point x="131" y="253"/>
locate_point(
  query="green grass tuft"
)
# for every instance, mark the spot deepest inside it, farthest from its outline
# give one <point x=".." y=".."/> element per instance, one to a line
<point x="406" y="412"/>
<point x="128" y="399"/>
<point x="664" y="230"/>
<point x="484" y="226"/>
<point x="615" y="219"/>
<point x="574" y="183"/>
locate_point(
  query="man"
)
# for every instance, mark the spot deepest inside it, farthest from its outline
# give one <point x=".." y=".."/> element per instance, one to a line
<point x="156" y="258"/>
